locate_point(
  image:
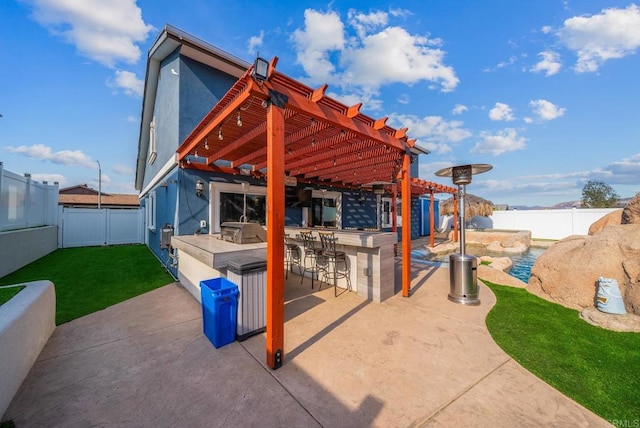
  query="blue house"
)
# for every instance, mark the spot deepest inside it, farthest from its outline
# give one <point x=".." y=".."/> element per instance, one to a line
<point x="185" y="78"/>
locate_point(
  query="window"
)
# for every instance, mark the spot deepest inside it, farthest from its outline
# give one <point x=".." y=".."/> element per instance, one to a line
<point x="241" y="207"/>
<point x="232" y="202"/>
<point x="325" y="209"/>
<point x="151" y="211"/>
<point x="152" y="142"/>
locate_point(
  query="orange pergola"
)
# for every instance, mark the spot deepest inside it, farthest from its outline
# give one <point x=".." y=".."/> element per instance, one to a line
<point x="274" y="127"/>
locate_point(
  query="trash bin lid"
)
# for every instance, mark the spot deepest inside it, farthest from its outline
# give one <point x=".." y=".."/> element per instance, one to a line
<point x="246" y="264"/>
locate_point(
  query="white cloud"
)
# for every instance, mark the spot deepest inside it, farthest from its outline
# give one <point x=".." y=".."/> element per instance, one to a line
<point x="105" y="31"/>
<point x="401" y="13"/>
<point x="254" y="43"/>
<point x="512" y="59"/>
<point x="403" y="99"/>
<point x="63" y="157"/>
<point x="323" y="33"/>
<point x="626" y="171"/>
<point x="550" y="63"/>
<point x="349" y="56"/>
<point x="613" y="33"/>
<point x="123" y="169"/>
<point x="49" y="178"/>
<point x="133" y="119"/>
<point x="128" y="82"/>
<point x="459" y="109"/>
<point x="547" y="29"/>
<point x="432" y="132"/>
<point x="503" y="141"/>
<point x="546" y="110"/>
<point x="501" y="111"/>
<point x="366" y="23"/>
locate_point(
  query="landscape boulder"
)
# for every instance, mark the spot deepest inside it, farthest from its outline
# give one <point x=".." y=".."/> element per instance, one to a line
<point x="613" y="218"/>
<point x="631" y="212"/>
<point x="567" y="272"/>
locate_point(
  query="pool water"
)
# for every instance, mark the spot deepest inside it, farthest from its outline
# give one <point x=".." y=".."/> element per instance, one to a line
<point x="522" y="263"/>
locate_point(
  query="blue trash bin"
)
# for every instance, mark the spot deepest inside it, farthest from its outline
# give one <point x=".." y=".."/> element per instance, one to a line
<point x="219" y="310"/>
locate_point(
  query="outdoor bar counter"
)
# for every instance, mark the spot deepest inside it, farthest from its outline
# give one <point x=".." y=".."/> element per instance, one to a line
<point x="370" y="257"/>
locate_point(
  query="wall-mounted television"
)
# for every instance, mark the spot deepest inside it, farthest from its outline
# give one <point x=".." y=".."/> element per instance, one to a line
<point x="297" y="198"/>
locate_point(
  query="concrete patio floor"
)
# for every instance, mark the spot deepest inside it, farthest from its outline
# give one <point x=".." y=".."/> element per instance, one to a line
<point x="418" y="361"/>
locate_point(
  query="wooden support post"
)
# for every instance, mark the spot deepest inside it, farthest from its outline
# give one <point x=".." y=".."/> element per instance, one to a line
<point x="432" y="217"/>
<point x="394" y="216"/>
<point x="406" y="225"/>
<point x="455" y="218"/>
<point x="275" y="236"/>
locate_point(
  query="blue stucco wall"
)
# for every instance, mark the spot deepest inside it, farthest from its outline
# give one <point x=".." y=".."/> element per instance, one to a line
<point x="166" y="194"/>
<point x="201" y="87"/>
<point x="165" y="111"/>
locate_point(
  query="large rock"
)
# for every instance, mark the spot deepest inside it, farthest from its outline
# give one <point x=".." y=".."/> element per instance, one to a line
<point x="613" y="218"/>
<point x="631" y="213"/>
<point x="567" y="272"/>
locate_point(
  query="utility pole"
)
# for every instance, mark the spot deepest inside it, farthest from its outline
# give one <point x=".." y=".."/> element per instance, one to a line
<point x="99" y="185"/>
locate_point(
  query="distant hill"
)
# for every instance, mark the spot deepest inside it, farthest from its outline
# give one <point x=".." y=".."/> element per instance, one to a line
<point x="622" y="202"/>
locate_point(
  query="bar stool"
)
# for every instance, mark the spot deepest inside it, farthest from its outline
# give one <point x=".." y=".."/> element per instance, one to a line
<point x="312" y="256"/>
<point x="292" y="256"/>
<point x="334" y="258"/>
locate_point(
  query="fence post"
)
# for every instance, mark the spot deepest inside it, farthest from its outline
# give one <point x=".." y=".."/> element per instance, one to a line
<point x="27" y="199"/>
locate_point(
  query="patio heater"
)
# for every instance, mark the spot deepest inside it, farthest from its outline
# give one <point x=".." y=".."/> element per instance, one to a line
<point x="463" y="268"/>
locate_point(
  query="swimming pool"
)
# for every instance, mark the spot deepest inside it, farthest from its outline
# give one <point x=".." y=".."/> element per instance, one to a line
<point x="522" y="263"/>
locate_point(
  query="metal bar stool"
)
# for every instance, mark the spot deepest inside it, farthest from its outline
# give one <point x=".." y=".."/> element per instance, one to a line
<point x="312" y="256"/>
<point x="334" y="258"/>
<point x="292" y="256"/>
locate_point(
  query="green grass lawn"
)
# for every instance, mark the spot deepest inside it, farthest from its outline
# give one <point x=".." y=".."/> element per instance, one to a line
<point x="596" y="367"/>
<point x="92" y="278"/>
<point x="8" y="293"/>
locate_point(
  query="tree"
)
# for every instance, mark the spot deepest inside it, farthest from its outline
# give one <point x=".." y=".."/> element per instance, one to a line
<point x="598" y="194"/>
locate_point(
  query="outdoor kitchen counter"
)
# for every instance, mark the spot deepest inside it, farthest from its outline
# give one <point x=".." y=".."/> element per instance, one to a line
<point x="203" y="257"/>
<point x="370" y="256"/>
<point x="216" y="252"/>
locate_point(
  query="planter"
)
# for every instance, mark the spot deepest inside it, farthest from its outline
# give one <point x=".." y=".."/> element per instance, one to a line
<point x="26" y="323"/>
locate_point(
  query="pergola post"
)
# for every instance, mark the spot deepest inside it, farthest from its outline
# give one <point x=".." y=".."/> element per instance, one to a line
<point x="406" y="225"/>
<point x="394" y="216"/>
<point x="431" y="221"/>
<point x="275" y="236"/>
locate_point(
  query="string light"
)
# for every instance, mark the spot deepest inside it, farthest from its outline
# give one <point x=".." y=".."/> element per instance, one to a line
<point x="206" y="144"/>
<point x="220" y="137"/>
<point x="313" y="142"/>
<point x="239" y="120"/>
<point x="334" y="162"/>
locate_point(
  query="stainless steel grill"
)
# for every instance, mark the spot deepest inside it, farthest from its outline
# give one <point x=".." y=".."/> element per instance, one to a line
<point x="242" y="233"/>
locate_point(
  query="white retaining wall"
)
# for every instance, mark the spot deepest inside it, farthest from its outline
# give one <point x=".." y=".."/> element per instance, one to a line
<point x="26" y="323"/>
<point x="18" y="248"/>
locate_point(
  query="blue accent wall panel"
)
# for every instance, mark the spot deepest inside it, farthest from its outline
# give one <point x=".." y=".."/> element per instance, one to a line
<point x="358" y="214"/>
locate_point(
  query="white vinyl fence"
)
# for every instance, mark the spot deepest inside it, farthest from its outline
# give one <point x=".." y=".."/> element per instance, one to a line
<point x="85" y="227"/>
<point x="549" y="224"/>
<point x="25" y="203"/>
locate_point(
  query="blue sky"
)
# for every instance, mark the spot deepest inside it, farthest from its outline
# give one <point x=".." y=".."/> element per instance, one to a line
<point x="546" y="91"/>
